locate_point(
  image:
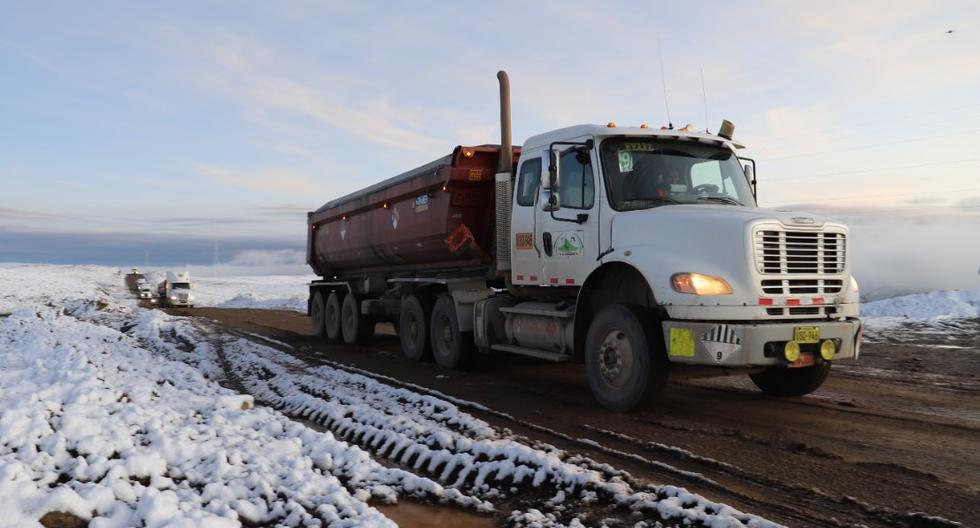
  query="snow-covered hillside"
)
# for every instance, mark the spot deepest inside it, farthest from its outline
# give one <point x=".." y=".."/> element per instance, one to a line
<point x="922" y="308"/>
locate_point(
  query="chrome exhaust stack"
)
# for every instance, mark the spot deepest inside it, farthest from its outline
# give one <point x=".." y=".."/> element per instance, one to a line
<point x="503" y="180"/>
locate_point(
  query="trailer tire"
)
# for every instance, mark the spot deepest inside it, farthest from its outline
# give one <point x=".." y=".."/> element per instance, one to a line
<point x="451" y="347"/>
<point x="354" y="327"/>
<point x="624" y="362"/>
<point x="317" y="315"/>
<point x="782" y="381"/>
<point x="331" y="316"/>
<point x="413" y="329"/>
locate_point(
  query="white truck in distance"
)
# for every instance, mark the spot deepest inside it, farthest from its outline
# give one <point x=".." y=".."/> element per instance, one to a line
<point x="176" y="290"/>
<point x="145" y="291"/>
<point x="635" y="250"/>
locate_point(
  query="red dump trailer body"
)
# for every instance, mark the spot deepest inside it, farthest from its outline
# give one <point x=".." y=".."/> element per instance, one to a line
<point x="433" y="218"/>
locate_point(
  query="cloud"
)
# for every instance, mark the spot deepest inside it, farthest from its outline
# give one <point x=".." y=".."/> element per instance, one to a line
<point x="22" y="214"/>
<point x="268" y="179"/>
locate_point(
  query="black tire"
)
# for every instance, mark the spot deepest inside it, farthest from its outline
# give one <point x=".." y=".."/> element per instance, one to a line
<point x="625" y="363"/>
<point x="451" y="348"/>
<point x="413" y="329"/>
<point x="782" y="381"/>
<point x="331" y="316"/>
<point x="316" y="314"/>
<point x="354" y="327"/>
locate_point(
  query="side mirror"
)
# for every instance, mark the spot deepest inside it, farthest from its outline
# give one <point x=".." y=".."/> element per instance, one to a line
<point x="750" y="175"/>
<point x="554" y="182"/>
<point x="551" y="202"/>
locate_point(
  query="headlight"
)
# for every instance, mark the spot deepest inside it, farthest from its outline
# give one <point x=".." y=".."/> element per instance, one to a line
<point x="698" y="284"/>
<point x="173" y="297"/>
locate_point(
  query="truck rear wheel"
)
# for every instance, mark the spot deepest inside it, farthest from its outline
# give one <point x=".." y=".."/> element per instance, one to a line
<point x="451" y="348"/>
<point x="353" y="326"/>
<point x="331" y="316"/>
<point x="413" y="329"/>
<point x="623" y="362"/>
<point x="316" y="314"/>
<point x="782" y="381"/>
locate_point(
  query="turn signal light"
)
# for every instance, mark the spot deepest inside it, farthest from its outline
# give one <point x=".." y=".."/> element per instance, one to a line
<point x="828" y="349"/>
<point x="791" y="351"/>
<point x="699" y="284"/>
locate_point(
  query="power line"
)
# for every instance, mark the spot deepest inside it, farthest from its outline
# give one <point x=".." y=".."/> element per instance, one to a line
<point x="877" y="169"/>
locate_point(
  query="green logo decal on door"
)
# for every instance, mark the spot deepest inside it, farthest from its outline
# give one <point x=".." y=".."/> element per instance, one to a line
<point x="569" y="244"/>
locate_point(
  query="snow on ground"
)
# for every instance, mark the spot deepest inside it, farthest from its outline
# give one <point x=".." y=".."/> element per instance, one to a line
<point x="114" y="413"/>
<point x="927" y="308"/>
<point x="282" y="292"/>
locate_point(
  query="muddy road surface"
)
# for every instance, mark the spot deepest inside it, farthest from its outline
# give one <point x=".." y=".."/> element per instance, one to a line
<point x="890" y="440"/>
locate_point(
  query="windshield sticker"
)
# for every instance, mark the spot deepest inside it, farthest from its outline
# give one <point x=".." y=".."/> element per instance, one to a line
<point x="569" y="244"/>
<point x="422" y="203"/>
<point x="625" y="161"/>
<point x="645" y="146"/>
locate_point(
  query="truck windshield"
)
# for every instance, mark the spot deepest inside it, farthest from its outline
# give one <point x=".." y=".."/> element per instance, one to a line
<point x="181" y="286"/>
<point x="646" y="172"/>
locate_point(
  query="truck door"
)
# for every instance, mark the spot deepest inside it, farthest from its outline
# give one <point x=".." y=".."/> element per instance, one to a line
<point x="568" y="237"/>
<point x="525" y="250"/>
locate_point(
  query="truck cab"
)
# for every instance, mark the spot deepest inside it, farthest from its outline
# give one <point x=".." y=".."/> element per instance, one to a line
<point x="660" y="229"/>
<point x="177" y="290"/>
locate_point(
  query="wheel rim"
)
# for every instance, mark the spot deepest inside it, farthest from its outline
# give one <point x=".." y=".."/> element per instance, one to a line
<point x="444" y="331"/>
<point x="615" y="359"/>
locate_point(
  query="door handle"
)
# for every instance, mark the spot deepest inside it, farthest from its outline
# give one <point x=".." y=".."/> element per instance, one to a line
<point x="546" y="238"/>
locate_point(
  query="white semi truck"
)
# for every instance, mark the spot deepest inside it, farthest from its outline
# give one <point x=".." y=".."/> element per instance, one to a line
<point x="176" y="290"/>
<point x="638" y="251"/>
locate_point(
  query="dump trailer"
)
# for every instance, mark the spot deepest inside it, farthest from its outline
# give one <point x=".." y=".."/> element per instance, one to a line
<point x="636" y="250"/>
<point x="133" y="279"/>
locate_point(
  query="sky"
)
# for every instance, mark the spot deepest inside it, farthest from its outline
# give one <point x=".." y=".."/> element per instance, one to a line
<point x="139" y="131"/>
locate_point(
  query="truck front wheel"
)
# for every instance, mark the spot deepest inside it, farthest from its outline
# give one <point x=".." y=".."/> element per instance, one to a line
<point x="331" y="316"/>
<point x="622" y="360"/>
<point x="782" y="381"/>
<point x="451" y="347"/>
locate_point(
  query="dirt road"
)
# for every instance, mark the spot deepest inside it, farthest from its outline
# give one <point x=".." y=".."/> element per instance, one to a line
<point x="891" y="440"/>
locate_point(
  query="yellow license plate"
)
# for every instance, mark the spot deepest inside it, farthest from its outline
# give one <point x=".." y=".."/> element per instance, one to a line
<point x="806" y="334"/>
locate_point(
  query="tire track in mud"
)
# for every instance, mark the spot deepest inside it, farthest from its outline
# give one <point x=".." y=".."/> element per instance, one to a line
<point x="532" y="481"/>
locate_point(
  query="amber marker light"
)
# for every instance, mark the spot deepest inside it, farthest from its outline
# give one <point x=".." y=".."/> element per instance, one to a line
<point x="611" y="124"/>
<point x="468" y="153"/>
<point x="699" y="284"/>
<point x="644" y="125"/>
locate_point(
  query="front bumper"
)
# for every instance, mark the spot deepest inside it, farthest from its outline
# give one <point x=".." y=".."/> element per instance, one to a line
<point x="744" y="344"/>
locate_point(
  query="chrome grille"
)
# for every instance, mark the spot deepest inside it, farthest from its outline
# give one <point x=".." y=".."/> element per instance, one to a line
<point x="781" y="252"/>
<point x="801" y="286"/>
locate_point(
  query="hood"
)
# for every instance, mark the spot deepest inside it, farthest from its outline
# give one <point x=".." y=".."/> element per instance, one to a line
<point x="710" y="239"/>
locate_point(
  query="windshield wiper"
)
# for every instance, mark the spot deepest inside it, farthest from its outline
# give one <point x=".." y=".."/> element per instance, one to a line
<point x="723" y="199"/>
<point x="640" y="203"/>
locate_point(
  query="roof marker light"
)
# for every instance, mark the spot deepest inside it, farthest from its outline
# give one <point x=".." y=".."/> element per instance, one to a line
<point x="611" y="124"/>
<point x="644" y="125"/>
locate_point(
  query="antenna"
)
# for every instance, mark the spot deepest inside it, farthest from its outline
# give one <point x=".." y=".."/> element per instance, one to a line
<point x="704" y="96"/>
<point x="663" y="80"/>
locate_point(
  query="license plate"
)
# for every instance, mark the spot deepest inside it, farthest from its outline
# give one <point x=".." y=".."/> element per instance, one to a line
<point x="806" y="360"/>
<point x="806" y="334"/>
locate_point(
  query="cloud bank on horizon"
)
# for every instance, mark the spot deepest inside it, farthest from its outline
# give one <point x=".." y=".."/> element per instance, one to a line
<point x="127" y="122"/>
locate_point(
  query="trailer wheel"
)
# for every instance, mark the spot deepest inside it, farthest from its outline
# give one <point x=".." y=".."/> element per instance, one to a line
<point x="331" y="316"/>
<point x="624" y="363"/>
<point x="413" y="329"/>
<point x="316" y="314"/>
<point x="782" y="381"/>
<point x="451" y="348"/>
<point x="353" y="326"/>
